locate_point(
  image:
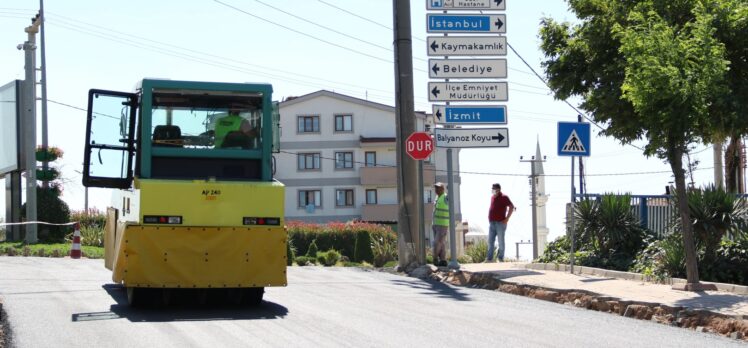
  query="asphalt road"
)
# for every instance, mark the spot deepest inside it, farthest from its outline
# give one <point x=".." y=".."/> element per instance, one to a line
<point x="72" y="303"/>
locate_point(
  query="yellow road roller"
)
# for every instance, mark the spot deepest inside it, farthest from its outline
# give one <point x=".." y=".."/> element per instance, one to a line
<point x="195" y="207"/>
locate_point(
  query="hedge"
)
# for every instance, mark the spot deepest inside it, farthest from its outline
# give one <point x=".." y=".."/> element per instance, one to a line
<point x="338" y="236"/>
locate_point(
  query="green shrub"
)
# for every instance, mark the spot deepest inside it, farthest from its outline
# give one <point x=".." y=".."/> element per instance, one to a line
<point x="363" y="250"/>
<point x="94" y="218"/>
<point x="390" y="264"/>
<point x="662" y="258"/>
<point x="52" y="209"/>
<point x="384" y="249"/>
<point x="608" y="226"/>
<point x="305" y="261"/>
<point x="90" y="236"/>
<point x="730" y="264"/>
<point x="556" y="251"/>
<point x="312" y="251"/>
<point x="328" y="258"/>
<point x="478" y="251"/>
<point x="335" y="235"/>
<point x="290" y="252"/>
<point x="465" y="259"/>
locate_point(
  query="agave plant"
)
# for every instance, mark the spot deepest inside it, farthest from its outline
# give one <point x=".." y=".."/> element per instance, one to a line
<point x="608" y="225"/>
<point x="715" y="214"/>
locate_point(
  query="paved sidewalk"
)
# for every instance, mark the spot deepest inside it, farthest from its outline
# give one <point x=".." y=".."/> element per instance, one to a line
<point x="716" y="301"/>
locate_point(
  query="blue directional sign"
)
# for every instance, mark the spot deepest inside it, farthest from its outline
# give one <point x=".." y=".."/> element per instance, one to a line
<point x="470" y="114"/>
<point x="573" y="139"/>
<point x="465" y="23"/>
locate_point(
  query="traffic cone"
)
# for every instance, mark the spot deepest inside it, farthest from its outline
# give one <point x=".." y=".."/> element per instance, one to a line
<point x="75" y="251"/>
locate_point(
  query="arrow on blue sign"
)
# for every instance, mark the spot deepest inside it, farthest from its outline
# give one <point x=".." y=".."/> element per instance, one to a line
<point x="469" y="114"/>
<point x="463" y="23"/>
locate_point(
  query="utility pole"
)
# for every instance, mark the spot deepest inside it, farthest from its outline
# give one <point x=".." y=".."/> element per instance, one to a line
<point x="29" y="117"/>
<point x="45" y="143"/>
<point x="409" y="205"/>
<point x="533" y="184"/>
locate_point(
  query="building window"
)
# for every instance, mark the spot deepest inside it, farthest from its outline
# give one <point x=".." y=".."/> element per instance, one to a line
<point x="371" y="159"/>
<point x="371" y="196"/>
<point x="309" y="161"/>
<point x="310" y="197"/>
<point x="344" y="123"/>
<point x="308" y="124"/>
<point x="344" y="198"/>
<point x="344" y="160"/>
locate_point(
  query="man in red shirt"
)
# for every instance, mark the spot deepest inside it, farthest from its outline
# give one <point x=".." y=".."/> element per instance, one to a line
<point x="498" y="216"/>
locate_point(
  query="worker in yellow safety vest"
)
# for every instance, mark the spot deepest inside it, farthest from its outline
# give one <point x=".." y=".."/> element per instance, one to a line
<point x="233" y="130"/>
<point x="440" y="225"/>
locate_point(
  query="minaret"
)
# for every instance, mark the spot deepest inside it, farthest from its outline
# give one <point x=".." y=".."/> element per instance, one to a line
<point x="541" y="200"/>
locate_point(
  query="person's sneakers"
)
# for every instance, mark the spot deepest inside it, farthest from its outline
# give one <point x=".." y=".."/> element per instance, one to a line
<point x="487" y="261"/>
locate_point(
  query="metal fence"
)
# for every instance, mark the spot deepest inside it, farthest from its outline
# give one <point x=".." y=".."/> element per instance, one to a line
<point x="655" y="212"/>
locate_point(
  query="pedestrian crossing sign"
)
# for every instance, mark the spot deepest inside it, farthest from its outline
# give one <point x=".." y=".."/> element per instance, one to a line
<point x="573" y="139"/>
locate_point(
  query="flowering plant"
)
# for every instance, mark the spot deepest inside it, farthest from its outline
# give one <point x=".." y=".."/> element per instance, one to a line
<point x="48" y="154"/>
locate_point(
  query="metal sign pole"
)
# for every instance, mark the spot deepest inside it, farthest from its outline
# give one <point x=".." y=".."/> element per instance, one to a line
<point x="422" y="225"/>
<point x="571" y="226"/>
<point x="453" y="264"/>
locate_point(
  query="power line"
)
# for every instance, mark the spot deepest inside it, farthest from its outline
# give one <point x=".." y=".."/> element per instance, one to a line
<point x="324" y="27"/>
<point x="360" y="17"/>
<point x="488" y="173"/>
<point x="301" y="32"/>
<point x="434" y="170"/>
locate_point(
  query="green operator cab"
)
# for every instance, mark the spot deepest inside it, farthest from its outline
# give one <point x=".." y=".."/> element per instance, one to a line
<point x="195" y="205"/>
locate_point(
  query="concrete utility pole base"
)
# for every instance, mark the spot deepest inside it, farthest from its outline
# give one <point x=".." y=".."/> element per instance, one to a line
<point x="453" y="264"/>
<point x="696" y="287"/>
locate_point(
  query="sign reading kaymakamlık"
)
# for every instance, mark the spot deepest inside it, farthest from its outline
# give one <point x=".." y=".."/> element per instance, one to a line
<point x="466" y="46"/>
<point x="471" y="137"/>
<point x="456" y="5"/>
<point x="465" y="23"/>
<point x="468" y="91"/>
<point x="470" y="114"/>
<point x="467" y="68"/>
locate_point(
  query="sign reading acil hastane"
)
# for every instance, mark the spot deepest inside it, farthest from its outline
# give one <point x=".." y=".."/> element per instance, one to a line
<point x="465" y="23"/>
<point x="455" y="5"/>
<point x="466" y="46"/>
<point x="468" y="91"/>
<point x="467" y="68"/>
<point x="471" y="137"/>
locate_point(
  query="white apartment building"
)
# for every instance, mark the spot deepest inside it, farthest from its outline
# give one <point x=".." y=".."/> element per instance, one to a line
<point x="337" y="160"/>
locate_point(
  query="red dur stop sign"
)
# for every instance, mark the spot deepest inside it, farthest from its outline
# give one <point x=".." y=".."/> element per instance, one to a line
<point x="419" y="145"/>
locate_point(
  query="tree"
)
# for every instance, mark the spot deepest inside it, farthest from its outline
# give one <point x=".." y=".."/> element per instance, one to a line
<point x="654" y="70"/>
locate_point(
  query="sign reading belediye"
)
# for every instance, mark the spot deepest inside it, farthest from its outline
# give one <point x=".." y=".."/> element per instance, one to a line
<point x="467" y="68"/>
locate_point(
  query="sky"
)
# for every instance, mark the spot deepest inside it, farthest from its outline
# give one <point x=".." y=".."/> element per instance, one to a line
<point x="301" y="46"/>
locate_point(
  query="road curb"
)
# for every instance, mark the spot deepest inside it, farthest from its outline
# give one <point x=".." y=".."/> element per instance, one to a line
<point x="583" y="270"/>
<point x="733" y="326"/>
